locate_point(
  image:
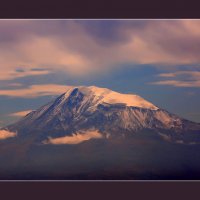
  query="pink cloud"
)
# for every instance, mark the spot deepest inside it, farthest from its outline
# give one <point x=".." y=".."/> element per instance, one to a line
<point x="4" y="134"/>
<point x="34" y="91"/>
<point x="74" y="139"/>
<point x="178" y="83"/>
<point x="13" y="74"/>
<point x="21" y="113"/>
<point x="192" y="76"/>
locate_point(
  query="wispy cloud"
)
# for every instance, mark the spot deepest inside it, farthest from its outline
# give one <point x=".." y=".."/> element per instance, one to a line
<point x="14" y="74"/>
<point x="15" y="84"/>
<point x="20" y="114"/>
<point x="4" y="134"/>
<point x="178" y="83"/>
<point x="168" y="75"/>
<point x="193" y="74"/>
<point x="34" y="91"/>
<point x="74" y="139"/>
<point x="180" y="79"/>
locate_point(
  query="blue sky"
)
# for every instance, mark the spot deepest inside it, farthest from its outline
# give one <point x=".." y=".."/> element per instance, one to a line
<point x="156" y="59"/>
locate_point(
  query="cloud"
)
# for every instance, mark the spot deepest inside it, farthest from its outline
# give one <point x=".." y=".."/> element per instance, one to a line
<point x="74" y="139"/>
<point x="183" y="79"/>
<point x="4" y="134"/>
<point x="80" y="48"/>
<point x="167" y="75"/>
<point x="193" y="74"/>
<point x="165" y="137"/>
<point x="20" y="114"/>
<point x="34" y="91"/>
<point x="15" y="84"/>
<point x="13" y="74"/>
<point x="178" y="83"/>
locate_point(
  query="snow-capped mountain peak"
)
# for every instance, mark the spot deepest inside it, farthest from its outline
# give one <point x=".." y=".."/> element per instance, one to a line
<point x="103" y="95"/>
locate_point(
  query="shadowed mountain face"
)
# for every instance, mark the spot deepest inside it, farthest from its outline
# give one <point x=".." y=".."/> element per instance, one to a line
<point x="104" y="135"/>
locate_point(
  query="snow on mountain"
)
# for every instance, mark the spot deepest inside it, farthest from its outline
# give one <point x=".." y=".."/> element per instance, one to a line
<point x="104" y="95"/>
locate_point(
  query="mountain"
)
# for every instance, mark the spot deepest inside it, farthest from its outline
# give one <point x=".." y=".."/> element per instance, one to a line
<point x="83" y="113"/>
<point x="105" y="135"/>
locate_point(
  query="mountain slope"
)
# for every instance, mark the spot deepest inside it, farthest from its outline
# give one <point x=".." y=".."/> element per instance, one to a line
<point x="85" y="109"/>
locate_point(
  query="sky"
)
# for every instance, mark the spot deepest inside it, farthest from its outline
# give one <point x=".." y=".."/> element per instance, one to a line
<point x="156" y="59"/>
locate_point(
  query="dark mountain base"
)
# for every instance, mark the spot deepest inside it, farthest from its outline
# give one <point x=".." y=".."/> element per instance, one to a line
<point x="139" y="157"/>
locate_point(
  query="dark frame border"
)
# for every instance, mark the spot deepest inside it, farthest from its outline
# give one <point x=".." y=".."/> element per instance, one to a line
<point x="101" y="9"/>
